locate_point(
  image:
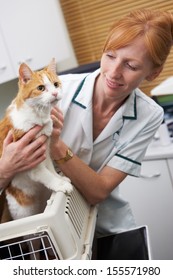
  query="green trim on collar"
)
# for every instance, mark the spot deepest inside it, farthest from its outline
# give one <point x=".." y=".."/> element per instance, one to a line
<point x="136" y="162"/>
<point x="77" y="92"/>
<point x="135" y="111"/>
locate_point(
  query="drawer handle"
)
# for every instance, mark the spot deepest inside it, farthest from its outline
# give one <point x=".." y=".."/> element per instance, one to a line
<point x="158" y="174"/>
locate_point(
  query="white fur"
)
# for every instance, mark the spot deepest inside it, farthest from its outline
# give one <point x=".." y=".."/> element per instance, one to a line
<point x="37" y="111"/>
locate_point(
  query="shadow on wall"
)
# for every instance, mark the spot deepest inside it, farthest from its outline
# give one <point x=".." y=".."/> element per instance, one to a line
<point x="7" y="92"/>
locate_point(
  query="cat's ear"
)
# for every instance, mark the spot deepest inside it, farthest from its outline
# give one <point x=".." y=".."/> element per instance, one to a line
<point x="52" y="66"/>
<point x="25" y="73"/>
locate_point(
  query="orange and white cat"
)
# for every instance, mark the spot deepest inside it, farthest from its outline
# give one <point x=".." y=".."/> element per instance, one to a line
<point x="29" y="191"/>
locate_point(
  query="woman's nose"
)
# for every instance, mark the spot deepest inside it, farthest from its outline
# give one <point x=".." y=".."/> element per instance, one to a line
<point x="116" y="70"/>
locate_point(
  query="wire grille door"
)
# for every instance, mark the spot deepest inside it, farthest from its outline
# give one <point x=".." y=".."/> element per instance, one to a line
<point x="64" y="230"/>
<point x="32" y="247"/>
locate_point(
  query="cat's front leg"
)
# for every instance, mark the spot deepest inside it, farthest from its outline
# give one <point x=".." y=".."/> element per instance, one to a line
<point x="48" y="127"/>
<point x="52" y="181"/>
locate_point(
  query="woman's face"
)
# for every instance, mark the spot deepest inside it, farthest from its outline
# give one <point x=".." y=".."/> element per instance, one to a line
<point x="124" y="69"/>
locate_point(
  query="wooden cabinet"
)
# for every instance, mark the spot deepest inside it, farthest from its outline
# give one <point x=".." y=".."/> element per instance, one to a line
<point x="32" y="32"/>
<point x="151" y="199"/>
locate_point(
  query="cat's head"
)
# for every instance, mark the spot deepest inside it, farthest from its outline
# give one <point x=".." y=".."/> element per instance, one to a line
<point x="40" y="88"/>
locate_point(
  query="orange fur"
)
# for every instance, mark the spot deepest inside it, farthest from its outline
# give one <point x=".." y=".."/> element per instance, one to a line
<point x="5" y="126"/>
<point x="21" y="197"/>
<point x="29" y="87"/>
<point x="17" y="134"/>
<point x="26" y="89"/>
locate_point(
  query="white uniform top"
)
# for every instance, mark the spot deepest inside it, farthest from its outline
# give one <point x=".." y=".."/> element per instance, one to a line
<point x="121" y="145"/>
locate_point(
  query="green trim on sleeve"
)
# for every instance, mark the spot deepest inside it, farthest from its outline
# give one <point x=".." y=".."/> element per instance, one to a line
<point x="136" y="162"/>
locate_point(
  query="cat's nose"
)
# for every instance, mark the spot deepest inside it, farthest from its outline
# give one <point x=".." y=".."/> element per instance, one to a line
<point x="54" y="94"/>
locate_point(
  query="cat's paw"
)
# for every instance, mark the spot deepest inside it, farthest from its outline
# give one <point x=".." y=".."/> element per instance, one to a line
<point x="65" y="187"/>
<point x="68" y="188"/>
<point x="66" y="179"/>
<point x="47" y="129"/>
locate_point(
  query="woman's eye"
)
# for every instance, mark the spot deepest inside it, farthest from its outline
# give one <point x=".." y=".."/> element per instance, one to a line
<point x="41" y="87"/>
<point x="109" y="55"/>
<point x="56" y="84"/>
<point x="131" y="67"/>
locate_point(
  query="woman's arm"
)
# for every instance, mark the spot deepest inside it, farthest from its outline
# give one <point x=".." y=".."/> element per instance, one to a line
<point x="22" y="155"/>
<point x="94" y="186"/>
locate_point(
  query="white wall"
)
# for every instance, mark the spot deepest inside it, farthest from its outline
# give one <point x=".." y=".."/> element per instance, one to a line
<point x="9" y="90"/>
<point x="71" y="61"/>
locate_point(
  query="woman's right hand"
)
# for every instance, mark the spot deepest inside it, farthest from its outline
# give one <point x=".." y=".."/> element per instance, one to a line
<point x="23" y="154"/>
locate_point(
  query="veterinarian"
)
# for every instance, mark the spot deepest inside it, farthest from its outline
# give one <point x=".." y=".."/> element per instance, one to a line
<point x="105" y="123"/>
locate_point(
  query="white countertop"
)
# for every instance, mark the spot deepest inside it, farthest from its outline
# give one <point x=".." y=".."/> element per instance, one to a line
<point x="158" y="151"/>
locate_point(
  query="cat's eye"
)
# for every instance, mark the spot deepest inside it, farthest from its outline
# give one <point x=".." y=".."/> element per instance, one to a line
<point x="56" y="84"/>
<point x="41" y="87"/>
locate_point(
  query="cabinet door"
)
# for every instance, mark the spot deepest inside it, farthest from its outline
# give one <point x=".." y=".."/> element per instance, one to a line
<point x="151" y="199"/>
<point x="6" y="71"/>
<point x="33" y="31"/>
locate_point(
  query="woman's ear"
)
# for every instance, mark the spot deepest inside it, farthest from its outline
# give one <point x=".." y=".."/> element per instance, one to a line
<point x="154" y="74"/>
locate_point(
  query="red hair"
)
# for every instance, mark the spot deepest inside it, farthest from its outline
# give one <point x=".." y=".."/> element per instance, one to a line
<point x="156" y="27"/>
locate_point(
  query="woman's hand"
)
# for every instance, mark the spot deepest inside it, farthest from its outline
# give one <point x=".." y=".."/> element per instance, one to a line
<point x="23" y="154"/>
<point x="58" y="120"/>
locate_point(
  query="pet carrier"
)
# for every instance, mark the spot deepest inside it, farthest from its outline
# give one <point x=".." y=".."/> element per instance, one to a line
<point x="65" y="230"/>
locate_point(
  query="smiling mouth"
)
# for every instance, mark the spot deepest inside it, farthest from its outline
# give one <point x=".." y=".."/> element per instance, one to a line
<point x="112" y="84"/>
